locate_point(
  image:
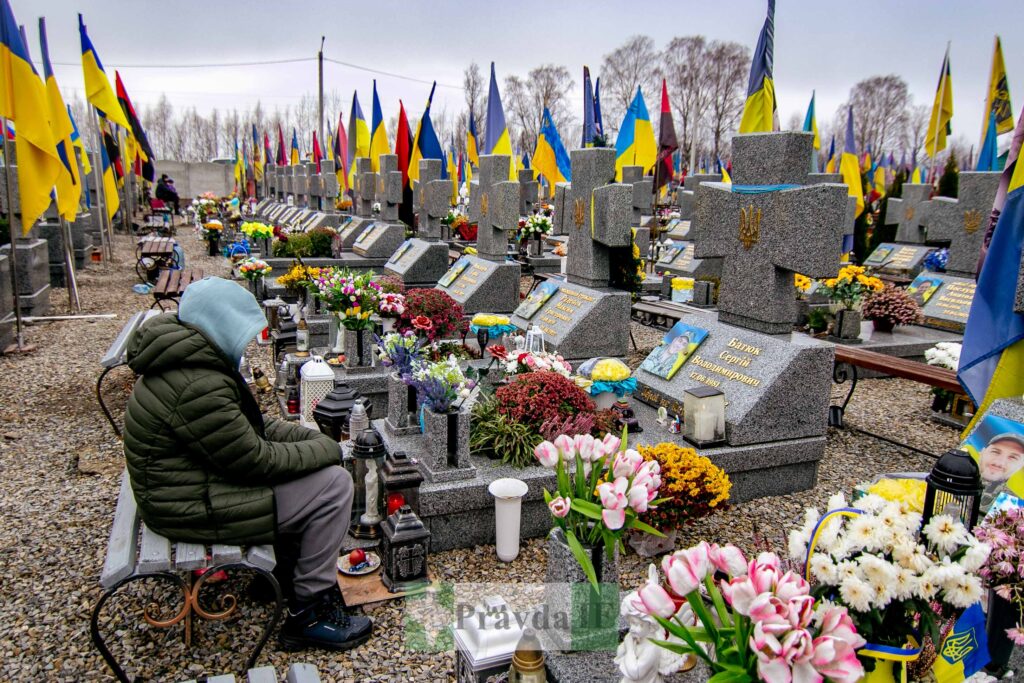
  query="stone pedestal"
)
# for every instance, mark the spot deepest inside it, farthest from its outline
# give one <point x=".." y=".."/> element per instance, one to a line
<point x="81" y="242"/>
<point x="33" y="276"/>
<point x="401" y="419"/>
<point x="481" y="285"/>
<point x="447" y="445"/>
<point x="419" y="263"/>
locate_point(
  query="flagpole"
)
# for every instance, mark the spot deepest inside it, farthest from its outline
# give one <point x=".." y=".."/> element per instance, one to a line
<point x="14" y="230"/>
<point x="938" y="122"/>
<point x="69" y="265"/>
<point x="320" y="73"/>
<point x="100" y="189"/>
<point x="97" y="172"/>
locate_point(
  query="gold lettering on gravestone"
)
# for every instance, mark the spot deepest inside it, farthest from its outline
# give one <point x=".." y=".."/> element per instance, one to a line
<point x="750" y="226"/>
<point x="727" y="373"/>
<point x="954" y="300"/>
<point x="972" y="221"/>
<point x="902" y="258"/>
<point x="579" y="213"/>
<point x="483" y="205"/>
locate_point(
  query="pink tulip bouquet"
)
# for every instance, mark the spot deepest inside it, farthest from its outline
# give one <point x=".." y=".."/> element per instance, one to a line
<point x="758" y="623"/>
<point x="603" y="487"/>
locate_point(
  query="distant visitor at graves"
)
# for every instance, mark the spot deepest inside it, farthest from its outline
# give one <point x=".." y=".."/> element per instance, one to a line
<point x="675" y="349"/>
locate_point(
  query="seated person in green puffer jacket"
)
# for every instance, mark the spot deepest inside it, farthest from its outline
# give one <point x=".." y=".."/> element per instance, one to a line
<point x="206" y="467"/>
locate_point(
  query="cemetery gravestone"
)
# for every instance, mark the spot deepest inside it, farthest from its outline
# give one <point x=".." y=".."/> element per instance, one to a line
<point x="32" y="256"/>
<point x="643" y="193"/>
<point x="364" y="191"/>
<point x="945" y="300"/>
<point x="690" y="185"/>
<point x="962" y="222"/>
<point x="527" y="191"/>
<point x="909" y="213"/>
<point x="7" y="317"/>
<point x="900" y="260"/>
<point x="421" y="261"/>
<point x="563" y="218"/>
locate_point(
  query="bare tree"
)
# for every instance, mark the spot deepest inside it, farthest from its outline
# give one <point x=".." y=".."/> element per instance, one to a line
<point x="684" y="63"/>
<point x="728" y="66"/>
<point x="916" y="129"/>
<point x="879" y="111"/>
<point x="473" y="88"/>
<point x="631" y="65"/>
<point x="158" y="120"/>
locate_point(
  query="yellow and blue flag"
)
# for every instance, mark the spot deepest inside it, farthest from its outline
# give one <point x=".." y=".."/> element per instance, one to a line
<point x="992" y="358"/>
<point x="726" y="178"/>
<point x="23" y="100"/>
<point x="472" y="150"/>
<point x="76" y="142"/>
<point x="496" y="137"/>
<point x="998" y="100"/>
<point x="97" y="86"/>
<point x="550" y="159"/>
<point x="239" y="169"/>
<point x="257" y="156"/>
<point x="69" y="184"/>
<point x="453" y="174"/>
<point x="110" y="196"/>
<point x="358" y="137"/>
<point x="635" y="144"/>
<point x="294" y="157"/>
<point x="759" y="110"/>
<point x="849" y="166"/>
<point x="811" y="122"/>
<point x="988" y="156"/>
<point x="942" y="112"/>
<point x="881" y="176"/>
<point x="425" y="144"/>
<point x="830" y="165"/>
<point x="378" y="134"/>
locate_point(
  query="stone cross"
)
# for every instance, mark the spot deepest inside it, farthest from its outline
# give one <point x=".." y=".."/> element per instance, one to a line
<point x="328" y="185"/>
<point x="527" y="191"/>
<point x="316" y="191"/>
<point x="643" y="192"/>
<point x="434" y="199"/>
<point x="909" y="213"/>
<point x="963" y="221"/>
<point x="764" y="238"/>
<point x="389" y="187"/>
<point x="690" y="185"/>
<point x="308" y="180"/>
<point x="365" y="187"/>
<point x="494" y="205"/>
<point x="563" y="220"/>
<point x="599" y="216"/>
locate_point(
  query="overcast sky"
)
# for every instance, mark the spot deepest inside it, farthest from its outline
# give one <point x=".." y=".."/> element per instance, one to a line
<point x="825" y="45"/>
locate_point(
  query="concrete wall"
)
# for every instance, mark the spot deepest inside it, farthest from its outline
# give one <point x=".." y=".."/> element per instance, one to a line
<point x="192" y="179"/>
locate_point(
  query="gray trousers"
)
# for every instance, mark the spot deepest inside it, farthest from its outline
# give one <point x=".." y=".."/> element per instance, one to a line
<point x="316" y="509"/>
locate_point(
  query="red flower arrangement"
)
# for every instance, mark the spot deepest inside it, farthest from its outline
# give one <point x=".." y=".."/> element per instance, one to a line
<point x="536" y="397"/>
<point x="498" y="352"/>
<point x="423" y="323"/>
<point x="443" y="312"/>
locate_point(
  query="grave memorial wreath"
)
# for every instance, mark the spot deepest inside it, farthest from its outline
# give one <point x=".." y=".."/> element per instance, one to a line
<point x="257" y="230"/>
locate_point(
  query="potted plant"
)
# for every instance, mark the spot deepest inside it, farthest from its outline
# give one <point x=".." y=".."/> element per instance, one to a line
<point x="758" y="623"/>
<point x="211" y="233"/>
<point x="1003" y="573"/>
<point x="253" y="270"/>
<point x="432" y="312"/>
<point x="352" y="298"/>
<point x="400" y="351"/>
<point x="944" y="355"/>
<point x="891" y="307"/>
<point x="846" y="291"/>
<point x="439" y="386"/>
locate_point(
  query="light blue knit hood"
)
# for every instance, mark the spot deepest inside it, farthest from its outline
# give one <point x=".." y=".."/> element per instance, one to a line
<point x="226" y="313"/>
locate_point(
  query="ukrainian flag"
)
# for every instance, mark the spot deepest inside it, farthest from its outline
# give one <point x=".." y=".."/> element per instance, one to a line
<point x="881" y="179"/>
<point x="550" y="158"/>
<point x="998" y="100"/>
<point x="97" y="87"/>
<point x="942" y="112"/>
<point x="849" y="167"/>
<point x="425" y="144"/>
<point x="471" y="147"/>
<point x="294" y="155"/>
<point x="589" y="126"/>
<point x="726" y="178"/>
<point x="830" y="166"/>
<point x="69" y="184"/>
<point x="992" y="359"/>
<point x="988" y="157"/>
<point x="239" y="169"/>
<point x="23" y="100"/>
<point x="378" y="134"/>
<point x="811" y="123"/>
<point x="76" y="142"/>
<point x="257" y="157"/>
<point x="759" y="110"/>
<point x="453" y="173"/>
<point x="358" y="137"/>
<point x="635" y="144"/>
<point x="496" y="137"/>
<point x="109" y="184"/>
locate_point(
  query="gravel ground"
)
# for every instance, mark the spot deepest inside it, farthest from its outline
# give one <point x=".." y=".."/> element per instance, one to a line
<point x="60" y="465"/>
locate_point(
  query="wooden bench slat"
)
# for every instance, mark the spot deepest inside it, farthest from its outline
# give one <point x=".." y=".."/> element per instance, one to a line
<point x="189" y="556"/>
<point x="173" y="280"/>
<point x="120" y="560"/>
<point x="302" y="673"/>
<point x="262" y="556"/>
<point x="161" y="282"/>
<point x="263" y="674"/>
<point x="931" y="375"/>
<point x="154" y="552"/>
<point x="223" y="554"/>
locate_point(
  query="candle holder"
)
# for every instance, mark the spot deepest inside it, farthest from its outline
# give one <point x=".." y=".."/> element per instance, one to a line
<point x="403" y="549"/>
<point x="369" y="452"/>
<point x="317" y="380"/>
<point x="954" y="486"/>
<point x="400" y="480"/>
<point x="704" y="416"/>
<point x="333" y="411"/>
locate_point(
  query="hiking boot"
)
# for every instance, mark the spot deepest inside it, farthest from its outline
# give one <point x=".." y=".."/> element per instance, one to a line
<point x="323" y="623"/>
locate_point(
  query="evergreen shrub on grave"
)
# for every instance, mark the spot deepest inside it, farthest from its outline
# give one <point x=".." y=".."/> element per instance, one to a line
<point x="315" y="243"/>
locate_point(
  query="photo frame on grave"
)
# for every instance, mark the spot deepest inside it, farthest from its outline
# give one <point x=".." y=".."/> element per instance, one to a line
<point x="879" y="255"/>
<point x="454" y="272"/>
<point x="365" y="234"/>
<point x="670" y="254"/>
<point x="400" y="252"/>
<point x="924" y="287"/>
<point x="537" y="298"/>
<point x="997" y="444"/>
<point x="676" y="347"/>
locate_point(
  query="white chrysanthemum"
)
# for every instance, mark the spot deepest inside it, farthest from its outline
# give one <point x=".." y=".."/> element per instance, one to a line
<point x="823" y="569"/>
<point x="965" y="591"/>
<point x="875" y="570"/>
<point x="865" y="532"/>
<point x="847" y="569"/>
<point x="917" y="561"/>
<point x="836" y="501"/>
<point x="828" y="534"/>
<point x="975" y="556"/>
<point x="944" y="573"/>
<point x="841" y="548"/>
<point x="882" y="594"/>
<point x="871" y="503"/>
<point x="945" y="533"/>
<point x="811" y="517"/>
<point x="797" y="545"/>
<point x="905" y="584"/>
<point x="910" y="522"/>
<point x="926" y="588"/>
<point x="856" y="594"/>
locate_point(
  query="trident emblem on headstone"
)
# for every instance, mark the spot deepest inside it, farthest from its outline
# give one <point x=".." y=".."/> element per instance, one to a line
<point x="750" y="226"/>
<point x="579" y="213"/>
<point x="483" y="205"/>
<point x="909" y="213"/>
<point x="972" y="221"/>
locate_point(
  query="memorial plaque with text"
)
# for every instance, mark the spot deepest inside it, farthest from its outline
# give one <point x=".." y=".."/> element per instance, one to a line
<point x="950" y="305"/>
<point x="898" y="259"/>
<point x="418" y="262"/>
<point x="469" y="279"/>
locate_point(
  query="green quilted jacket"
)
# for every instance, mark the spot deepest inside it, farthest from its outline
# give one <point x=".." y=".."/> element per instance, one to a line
<point x="200" y="457"/>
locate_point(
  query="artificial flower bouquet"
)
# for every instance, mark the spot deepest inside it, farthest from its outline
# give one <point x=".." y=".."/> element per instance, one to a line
<point x="390" y="304"/>
<point x="205" y="207"/>
<point x="298" y="277"/>
<point x="901" y="583"/>
<point x="212" y="230"/>
<point x="536" y="225"/>
<point x="438" y="385"/>
<point x="850" y="286"/>
<point x="519" y="362"/>
<point x="256" y="230"/>
<point x="1003" y="570"/>
<point x="494" y="325"/>
<point x="400" y="351"/>
<point x="352" y="296"/>
<point x="253" y="269"/>
<point x="802" y="283"/>
<point x="759" y="622"/>
<point x="943" y="355"/>
<point x="603" y="488"/>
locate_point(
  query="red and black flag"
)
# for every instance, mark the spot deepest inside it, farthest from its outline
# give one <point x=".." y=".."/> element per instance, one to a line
<point x="403" y="148"/>
<point x="281" y="159"/>
<point x="667" y="142"/>
<point x="144" y="153"/>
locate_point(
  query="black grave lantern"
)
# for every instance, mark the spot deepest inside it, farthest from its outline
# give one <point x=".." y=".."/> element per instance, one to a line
<point x="404" y="547"/>
<point x="954" y="481"/>
<point x="332" y="412"/>
<point x="401" y="479"/>
<point x="368" y="452"/>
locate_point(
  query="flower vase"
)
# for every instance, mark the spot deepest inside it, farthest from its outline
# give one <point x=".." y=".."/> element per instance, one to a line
<point x="447" y="436"/>
<point x="883" y="325"/>
<point x="387" y="325"/>
<point x="847" y="324"/>
<point x="885" y="672"/>
<point x="358" y="348"/>
<point x="592" y="615"/>
<point x="401" y="403"/>
<point x="941" y="401"/>
<point x="336" y="335"/>
<point x="1002" y="614"/>
<point x="537" y="246"/>
<point x="213" y="246"/>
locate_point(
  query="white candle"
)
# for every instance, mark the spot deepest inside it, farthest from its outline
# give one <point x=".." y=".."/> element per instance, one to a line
<point x="704" y="425"/>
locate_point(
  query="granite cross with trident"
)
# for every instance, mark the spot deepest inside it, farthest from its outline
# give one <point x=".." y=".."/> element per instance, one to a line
<point x="494" y="206"/>
<point x="766" y="231"/>
<point x="963" y="221"/>
<point x="389" y="187"/>
<point x="435" y="196"/>
<point x="365" y="189"/>
<point x="909" y="213"/>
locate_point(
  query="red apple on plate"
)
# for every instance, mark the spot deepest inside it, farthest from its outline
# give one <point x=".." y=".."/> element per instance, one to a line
<point x="356" y="557"/>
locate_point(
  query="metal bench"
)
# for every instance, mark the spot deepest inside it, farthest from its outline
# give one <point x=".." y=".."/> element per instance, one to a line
<point x="297" y="673"/>
<point x="153" y="254"/>
<point x="658" y="314"/>
<point x="135" y="553"/>
<point x="171" y="284"/>
<point x="115" y="356"/>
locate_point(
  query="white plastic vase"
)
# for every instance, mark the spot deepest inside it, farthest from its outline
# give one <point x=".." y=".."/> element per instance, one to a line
<point x="508" y="505"/>
<point x="387" y="325"/>
<point x="604" y="400"/>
